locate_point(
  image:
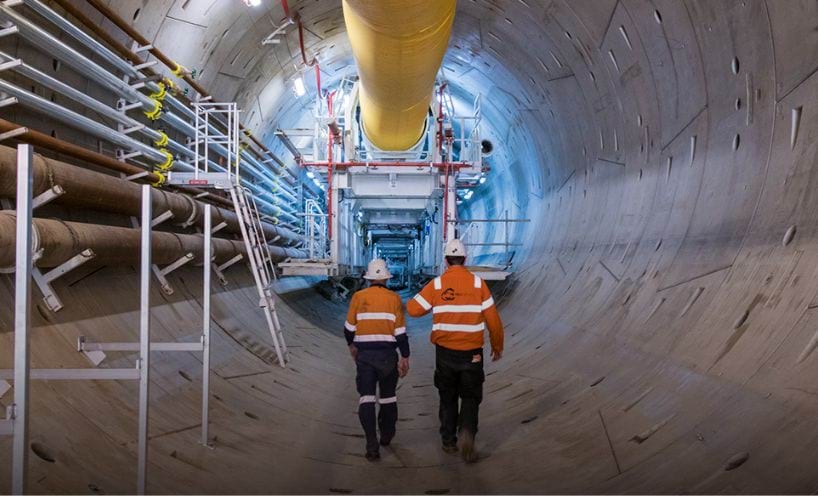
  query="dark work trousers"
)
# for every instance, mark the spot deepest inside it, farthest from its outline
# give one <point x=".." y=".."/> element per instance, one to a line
<point x="377" y="369"/>
<point x="459" y="379"/>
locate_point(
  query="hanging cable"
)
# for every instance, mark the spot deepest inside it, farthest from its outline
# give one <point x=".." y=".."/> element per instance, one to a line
<point x="311" y="63"/>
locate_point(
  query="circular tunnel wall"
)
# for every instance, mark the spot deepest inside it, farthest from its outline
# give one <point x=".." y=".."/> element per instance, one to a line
<point x="661" y="321"/>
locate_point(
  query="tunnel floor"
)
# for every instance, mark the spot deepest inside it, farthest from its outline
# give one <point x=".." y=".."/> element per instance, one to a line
<point x="274" y="430"/>
<point x="568" y="409"/>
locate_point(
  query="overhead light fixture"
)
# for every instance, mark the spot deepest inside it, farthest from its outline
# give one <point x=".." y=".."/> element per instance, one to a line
<point x="346" y="100"/>
<point x="298" y="86"/>
<point x="482" y="180"/>
<point x="310" y="174"/>
<point x="252" y="3"/>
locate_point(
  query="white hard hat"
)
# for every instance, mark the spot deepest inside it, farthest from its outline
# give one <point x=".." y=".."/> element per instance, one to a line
<point x="455" y="248"/>
<point x="377" y="270"/>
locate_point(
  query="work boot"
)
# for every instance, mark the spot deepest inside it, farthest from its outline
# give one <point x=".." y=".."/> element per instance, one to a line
<point x="386" y="440"/>
<point x="450" y="449"/>
<point x="373" y="456"/>
<point x="466" y="444"/>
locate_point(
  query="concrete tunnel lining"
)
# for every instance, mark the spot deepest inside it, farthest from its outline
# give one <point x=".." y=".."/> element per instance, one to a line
<point x="661" y="323"/>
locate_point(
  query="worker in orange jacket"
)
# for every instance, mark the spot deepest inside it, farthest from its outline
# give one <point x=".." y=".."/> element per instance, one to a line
<point x="462" y="308"/>
<point x="374" y="327"/>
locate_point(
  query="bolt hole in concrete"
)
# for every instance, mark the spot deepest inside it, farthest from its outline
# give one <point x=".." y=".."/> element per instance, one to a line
<point x="738" y="103"/>
<point x="136" y="13"/>
<point x="251" y="415"/>
<point x="789" y="235"/>
<point x="658" y="16"/>
<point x="736" y="461"/>
<point x="43" y="452"/>
<point x="185" y="375"/>
<point x="736" y="142"/>
<point x="736" y="65"/>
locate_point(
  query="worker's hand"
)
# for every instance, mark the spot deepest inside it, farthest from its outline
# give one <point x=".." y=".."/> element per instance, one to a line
<point x="403" y="367"/>
<point x="353" y="350"/>
<point x="496" y="355"/>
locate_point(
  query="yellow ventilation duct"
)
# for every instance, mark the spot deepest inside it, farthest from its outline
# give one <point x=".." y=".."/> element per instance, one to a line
<point x="399" y="46"/>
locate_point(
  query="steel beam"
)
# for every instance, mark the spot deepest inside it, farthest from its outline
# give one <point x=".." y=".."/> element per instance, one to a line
<point x="144" y="339"/>
<point x="124" y="346"/>
<point x="206" y="275"/>
<point x="72" y="375"/>
<point x="22" y="323"/>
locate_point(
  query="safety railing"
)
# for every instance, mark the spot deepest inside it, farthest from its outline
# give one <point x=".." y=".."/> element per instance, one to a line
<point x="206" y="137"/>
<point x="315" y="230"/>
<point x="473" y="225"/>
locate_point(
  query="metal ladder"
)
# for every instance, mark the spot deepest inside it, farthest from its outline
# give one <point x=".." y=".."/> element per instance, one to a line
<point x="261" y="264"/>
<point x="227" y="177"/>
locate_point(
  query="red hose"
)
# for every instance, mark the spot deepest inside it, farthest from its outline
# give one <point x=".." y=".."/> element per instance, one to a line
<point x="329" y="103"/>
<point x="311" y="63"/>
<point x="314" y="61"/>
<point x="330" y="140"/>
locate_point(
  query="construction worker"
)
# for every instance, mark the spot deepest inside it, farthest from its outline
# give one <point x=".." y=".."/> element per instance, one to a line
<point x="462" y="308"/>
<point x="374" y="327"/>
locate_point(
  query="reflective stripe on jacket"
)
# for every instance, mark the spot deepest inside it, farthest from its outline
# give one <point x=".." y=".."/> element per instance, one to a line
<point x="462" y="308"/>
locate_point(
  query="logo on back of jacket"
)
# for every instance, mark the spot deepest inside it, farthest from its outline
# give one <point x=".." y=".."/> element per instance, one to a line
<point x="449" y="294"/>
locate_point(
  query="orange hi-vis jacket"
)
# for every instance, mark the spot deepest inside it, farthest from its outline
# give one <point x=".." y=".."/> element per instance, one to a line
<point x="462" y="308"/>
<point x="375" y="320"/>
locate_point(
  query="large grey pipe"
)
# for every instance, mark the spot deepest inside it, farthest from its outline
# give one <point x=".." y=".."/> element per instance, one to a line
<point x="95" y="191"/>
<point x="58" y="241"/>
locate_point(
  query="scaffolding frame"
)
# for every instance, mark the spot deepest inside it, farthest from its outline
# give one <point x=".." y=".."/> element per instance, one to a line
<point x="315" y="236"/>
<point x="18" y="414"/>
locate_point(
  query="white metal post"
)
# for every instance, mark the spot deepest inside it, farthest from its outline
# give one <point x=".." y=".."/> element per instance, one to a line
<point x="207" y="142"/>
<point x="22" y="324"/>
<point x="196" y="138"/>
<point x="144" y="339"/>
<point x="505" y="230"/>
<point x="234" y="111"/>
<point x="208" y="233"/>
<point x="334" y="242"/>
